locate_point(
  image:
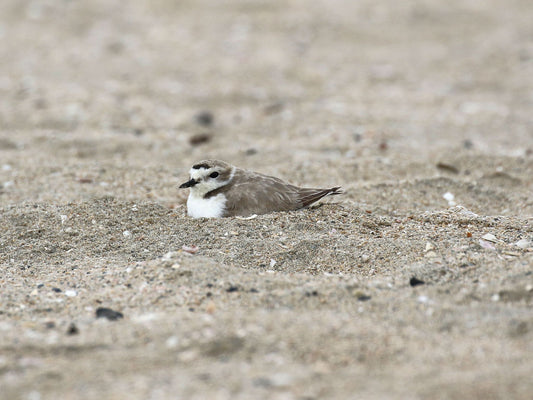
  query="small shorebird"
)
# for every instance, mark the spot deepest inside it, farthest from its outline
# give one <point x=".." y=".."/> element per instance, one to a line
<point x="219" y="189"/>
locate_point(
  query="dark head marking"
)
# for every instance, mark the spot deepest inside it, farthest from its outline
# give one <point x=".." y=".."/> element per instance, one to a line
<point x="201" y="165"/>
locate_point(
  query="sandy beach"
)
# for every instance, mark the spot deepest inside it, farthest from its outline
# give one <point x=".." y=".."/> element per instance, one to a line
<point x="416" y="283"/>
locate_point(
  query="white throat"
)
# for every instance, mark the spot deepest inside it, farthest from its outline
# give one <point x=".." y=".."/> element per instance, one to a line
<point x="213" y="207"/>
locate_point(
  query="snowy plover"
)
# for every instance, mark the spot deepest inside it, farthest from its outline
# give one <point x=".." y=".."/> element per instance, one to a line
<point x="219" y="189"/>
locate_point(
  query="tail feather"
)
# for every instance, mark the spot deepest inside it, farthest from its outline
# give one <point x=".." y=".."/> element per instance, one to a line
<point x="309" y="196"/>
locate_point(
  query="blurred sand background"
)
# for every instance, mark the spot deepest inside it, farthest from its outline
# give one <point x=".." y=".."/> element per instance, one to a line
<point x="415" y="284"/>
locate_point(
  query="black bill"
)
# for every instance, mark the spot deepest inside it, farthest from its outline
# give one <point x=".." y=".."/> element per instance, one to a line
<point x="188" y="184"/>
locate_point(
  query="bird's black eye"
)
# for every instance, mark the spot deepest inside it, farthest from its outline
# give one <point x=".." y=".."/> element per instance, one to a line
<point x="214" y="174"/>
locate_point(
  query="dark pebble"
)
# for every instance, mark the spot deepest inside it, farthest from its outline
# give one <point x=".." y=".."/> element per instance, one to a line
<point x="204" y="376"/>
<point x="415" y="281"/>
<point x="251" y="152"/>
<point x="50" y="325"/>
<point x="205" y="118"/>
<point x="40" y="285"/>
<point x="467" y="144"/>
<point x="254" y="290"/>
<point x="232" y="289"/>
<point x="201" y="138"/>
<point x="448" y="168"/>
<point x="208" y="294"/>
<point x="364" y="297"/>
<point x="115" y="47"/>
<point x="313" y="293"/>
<point x="518" y="328"/>
<point x="72" y="330"/>
<point x="112" y="315"/>
<point x="40" y="104"/>
<point x="57" y="290"/>
<point x="274" y="108"/>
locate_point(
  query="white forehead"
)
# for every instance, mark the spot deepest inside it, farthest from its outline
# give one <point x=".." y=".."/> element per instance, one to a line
<point x="196" y="173"/>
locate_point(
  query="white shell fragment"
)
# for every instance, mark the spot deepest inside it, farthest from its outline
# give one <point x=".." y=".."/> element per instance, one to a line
<point x="450" y="198"/>
<point x="490" y="237"/>
<point x="253" y="216"/>
<point x="190" y="249"/>
<point x="524" y="244"/>
<point x="486" y="244"/>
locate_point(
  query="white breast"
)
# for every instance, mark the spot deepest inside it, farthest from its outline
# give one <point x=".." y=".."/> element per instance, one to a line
<point x="213" y="207"/>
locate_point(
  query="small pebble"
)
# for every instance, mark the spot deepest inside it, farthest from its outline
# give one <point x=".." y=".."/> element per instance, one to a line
<point x="200" y="138"/>
<point x="272" y="262"/>
<point x="72" y="330"/>
<point x="415" y="282"/>
<point x="422" y="299"/>
<point x="448" y="168"/>
<point x="210" y="308"/>
<point x="71" y="293"/>
<point x="205" y="118"/>
<point x="111" y="315"/>
<point x="273" y="108"/>
<point x="172" y="342"/>
<point x="363" y="297"/>
<point x="126" y="234"/>
<point x="232" y="288"/>
<point x="56" y="290"/>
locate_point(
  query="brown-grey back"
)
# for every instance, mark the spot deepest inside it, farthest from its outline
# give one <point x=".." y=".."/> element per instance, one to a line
<point x="254" y="193"/>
